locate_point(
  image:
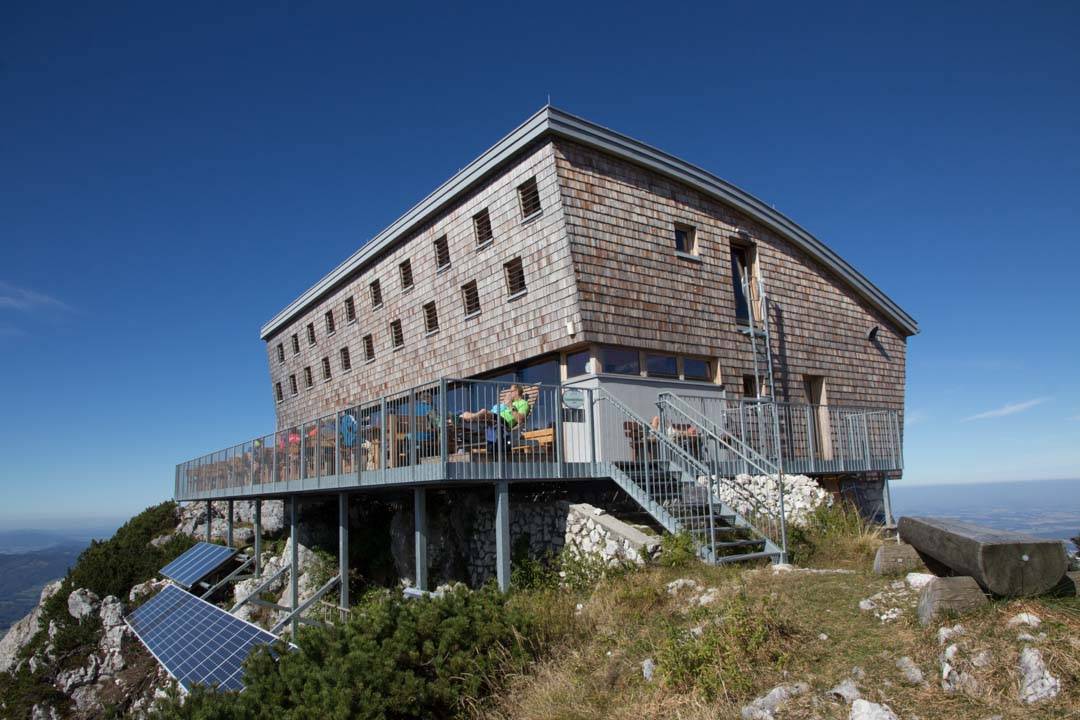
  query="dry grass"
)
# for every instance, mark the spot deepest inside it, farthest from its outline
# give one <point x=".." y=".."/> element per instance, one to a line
<point x="594" y="672"/>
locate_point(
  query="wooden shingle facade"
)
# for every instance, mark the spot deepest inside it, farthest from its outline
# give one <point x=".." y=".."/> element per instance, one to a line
<point x="600" y="267"/>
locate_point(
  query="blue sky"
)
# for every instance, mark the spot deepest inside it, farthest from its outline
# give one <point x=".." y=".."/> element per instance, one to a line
<point x="172" y="176"/>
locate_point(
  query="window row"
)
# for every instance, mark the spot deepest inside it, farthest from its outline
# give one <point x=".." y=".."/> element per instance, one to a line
<point x="470" y="300"/>
<point x="529" y="202"/>
<point x="627" y="361"/>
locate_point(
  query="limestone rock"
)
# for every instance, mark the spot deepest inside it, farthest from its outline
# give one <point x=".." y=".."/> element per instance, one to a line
<point x="44" y="712"/>
<point x="912" y="674"/>
<point x="917" y="581"/>
<point x="954" y="674"/>
<point x="846" y="691"/>
<point x="1036" y="682"/>
<point x="82" y="603"/>
<point x="866" y="710"/>
<point x="648" y="668"/>
<point x="1029" y="619"/>
<point x="945" y="633"/>
<point x="150" y="587"/>
<point x="765" y="707"/>
<point x="19" y="634"/>
<point x="802" y="495"/>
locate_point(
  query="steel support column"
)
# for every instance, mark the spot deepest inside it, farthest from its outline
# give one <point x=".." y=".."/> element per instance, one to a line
<point x="502" y="534"/>
<point x="258" y="537"/>
<point x="420" y="532"/>
<point x="209" y="518"/>
<point x="229" y="537"/>
<point x="343" y="548"/>
<point x="294" y="562"/>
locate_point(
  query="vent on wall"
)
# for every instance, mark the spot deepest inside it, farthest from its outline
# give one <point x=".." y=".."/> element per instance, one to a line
<point x="277" y="392"/>
<point x="326" y="368"/>
<point x="482" y="228"/>
<point x="405" y="270"/>
<point x="346" y="361"/>
<point x="442" y="253"/>
<point x="369" y="348"/>
<point x="431" y="317"/>
<point x="350" y="309"/>
<point x="295" y="344"/>
<point x="529" y="196"/>
<point x="396" y="334"/>
<point x="280" y="353"/>
<point x="309" y="380"/>
<point x="311" y="333"/>
<point x="515" y="277"/>
<point x="292" y="385"/>
<point x="470" y="298"/>
<point x="376" y="294"/>
<point x="330" y="326"/>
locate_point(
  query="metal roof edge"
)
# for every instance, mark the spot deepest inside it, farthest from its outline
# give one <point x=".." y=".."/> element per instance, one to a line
<point x="550" y="120"/>
<point x="588" y="133"/>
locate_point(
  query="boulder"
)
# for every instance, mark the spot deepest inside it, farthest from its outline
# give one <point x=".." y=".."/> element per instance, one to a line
<point x="82" y="602"/>
<point x="765" y="707"/>
<point x="912" y="674"/>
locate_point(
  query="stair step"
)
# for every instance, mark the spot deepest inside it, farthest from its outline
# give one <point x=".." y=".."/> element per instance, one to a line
<point x="745" y="557"/>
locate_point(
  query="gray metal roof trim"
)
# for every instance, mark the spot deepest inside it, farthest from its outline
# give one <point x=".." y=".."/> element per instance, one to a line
<point x="443" y="195"/>
<point x="591" y="134"/>
<point x="563" y="124"/>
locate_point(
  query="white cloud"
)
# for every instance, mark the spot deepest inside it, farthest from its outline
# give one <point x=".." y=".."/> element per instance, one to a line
<point x="21" y="299"/>
<point x="1010" y="409"/>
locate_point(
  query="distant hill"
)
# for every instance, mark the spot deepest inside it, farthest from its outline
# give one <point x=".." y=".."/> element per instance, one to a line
<point x="24" y="574"/>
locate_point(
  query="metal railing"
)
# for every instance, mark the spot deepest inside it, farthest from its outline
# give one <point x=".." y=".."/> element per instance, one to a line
<point x="449" y="429"/>
<point x="672" y="480"/>
<point x="810" y="438"/>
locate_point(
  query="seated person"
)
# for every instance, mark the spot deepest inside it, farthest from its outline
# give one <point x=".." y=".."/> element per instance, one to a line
<point x="512" y="412"/>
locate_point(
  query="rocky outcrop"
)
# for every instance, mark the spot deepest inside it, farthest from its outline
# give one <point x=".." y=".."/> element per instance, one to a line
<point x="193" y="520"/>
<point x="82" y="603"/>
<point x="20" y="634"/>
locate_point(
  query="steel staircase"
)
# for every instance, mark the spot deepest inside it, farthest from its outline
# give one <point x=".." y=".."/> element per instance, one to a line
<point x="677" y="488"/>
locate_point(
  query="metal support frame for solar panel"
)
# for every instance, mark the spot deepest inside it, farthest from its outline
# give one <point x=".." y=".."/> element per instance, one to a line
<point x="196" y="642"/>
<point x="197" y="563"/>
<point x="234" y="575"/>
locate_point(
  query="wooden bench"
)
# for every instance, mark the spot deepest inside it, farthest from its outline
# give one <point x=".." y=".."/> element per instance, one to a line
<point x="1007" y="564"/>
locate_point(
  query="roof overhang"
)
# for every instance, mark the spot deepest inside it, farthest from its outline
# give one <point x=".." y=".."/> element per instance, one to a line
<point x="549" y="121"/>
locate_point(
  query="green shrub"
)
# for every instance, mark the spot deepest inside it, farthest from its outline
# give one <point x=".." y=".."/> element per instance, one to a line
<point x="394" y="659"/>
<point x="723" y="660"/>
<point x="832" y="534"/>
<point x="677" y="549"/>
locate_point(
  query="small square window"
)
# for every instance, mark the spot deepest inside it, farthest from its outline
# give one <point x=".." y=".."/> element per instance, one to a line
<point x="431" y="317"/>
<point x="577" y="363"/>
<point x="396" y="334"/>
<point x="295" y="344"/>
<point x="442" y="253"/>
<point x="696" y="369"/>
<point x="685" y="239"/>
<point x="346" y="361"/>
<point x="529" y="196"/>
<point x="482" y="228"/>
<point x="331" y="328"/>
<point x="376" y="294"/>
<point x="470" y="298"/>
<point x="326" y="368"/>
<point x="311" y="333"/>
<point x="515" y="277"/>
<point x="280" y="353"/>
<point x="620" y="361"/>
<point x="309" y="379"/>
<point x="661" y="366"/>
<point x="278" y="393"/>
<point x="350" y="309"/>
<point x="405" y="270"/>
<point x="369" y="348"/>
<point x="292" y="385"/>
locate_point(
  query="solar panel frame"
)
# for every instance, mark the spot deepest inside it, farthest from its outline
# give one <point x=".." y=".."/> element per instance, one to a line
<point x="197" y="562"/>
<point x="196" y="642"/>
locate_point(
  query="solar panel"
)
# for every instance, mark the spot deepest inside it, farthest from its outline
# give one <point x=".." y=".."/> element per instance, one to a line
<point x="196" y="642"/>
<point x="197" y="563"/>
